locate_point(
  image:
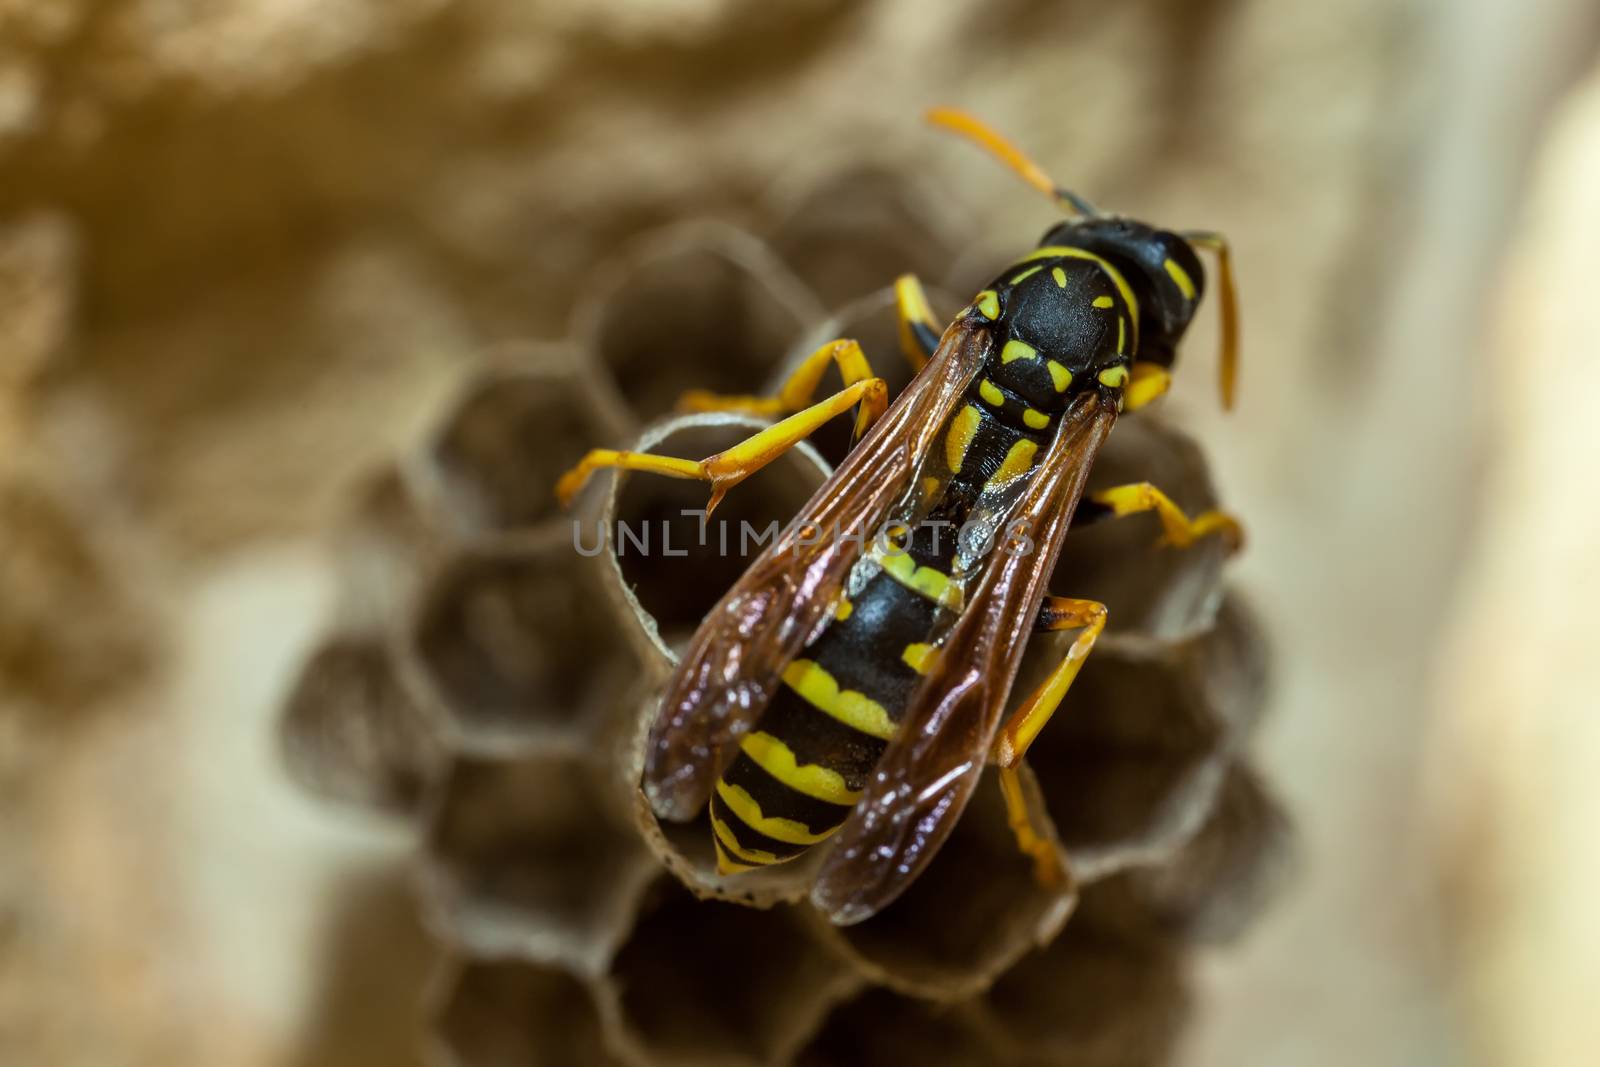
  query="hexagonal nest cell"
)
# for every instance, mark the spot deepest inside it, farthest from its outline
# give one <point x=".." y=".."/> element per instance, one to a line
<point x="493" y="667"/>
<point x="497" y="1012"/>
<point x="511" y="434"/>
<point x="702" y="983"/>
<point x="699" y="306"/>
<point x="1109" y="992"/>
<point x="648" y="519"/>
<point x="517" y="642"/>
<point x="352" y="732"/>
<point x="531" y="857"/>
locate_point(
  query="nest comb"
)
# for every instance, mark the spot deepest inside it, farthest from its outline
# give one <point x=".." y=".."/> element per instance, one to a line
<point x="487" y="679"/>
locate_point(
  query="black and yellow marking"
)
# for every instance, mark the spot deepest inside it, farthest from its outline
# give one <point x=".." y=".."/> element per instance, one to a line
<point x="1015" y="350"/>
<point x="919" y="331"/>
<point x="1181" y="278"/>
<point x="1050" y="317"/>
<point x="810" y="779"/>
<point x="919" y="656"/>
<point x="1003" y="400"/>
<point x="926" y="581"/>
<point x="963" y="428"/>
<point x="822" y="691"/>
<point x="804" y="764"/>
<point x="1124" y="290"/>
<point x="1114" y="377"/>
<point x="1018" y="461"/>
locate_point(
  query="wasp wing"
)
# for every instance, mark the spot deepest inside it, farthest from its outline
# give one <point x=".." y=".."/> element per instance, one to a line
<point x="735" y="661"/>
<point x="925" y="778"/>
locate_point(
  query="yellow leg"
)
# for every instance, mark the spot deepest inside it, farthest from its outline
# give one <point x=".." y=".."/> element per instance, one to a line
<point x="733" y="465"/>
<point x="1147" y="382"/>
<point x="919" y="330"/>
<point x="1048" y="868"/>
<point x="1057" y="613"/>
<point x="1180" y="530"/>
<point x="797" y="390"/>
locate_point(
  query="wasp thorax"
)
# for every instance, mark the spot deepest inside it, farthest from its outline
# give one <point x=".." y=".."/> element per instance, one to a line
<point x="1159" y="267"/>
<point x="1061" y="319"/>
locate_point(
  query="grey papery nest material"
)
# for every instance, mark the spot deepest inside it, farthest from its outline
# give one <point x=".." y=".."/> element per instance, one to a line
<point x="488" y="680"/>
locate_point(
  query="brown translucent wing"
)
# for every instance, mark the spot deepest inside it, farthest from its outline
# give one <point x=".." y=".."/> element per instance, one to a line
<point x="925" y="778"/>
<point x="736" y="659"/>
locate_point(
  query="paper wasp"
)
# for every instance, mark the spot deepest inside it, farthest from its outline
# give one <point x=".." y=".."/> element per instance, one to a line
<point x="853" y="687"/>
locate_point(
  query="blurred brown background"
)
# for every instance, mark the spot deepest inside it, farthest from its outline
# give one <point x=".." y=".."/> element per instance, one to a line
<point x="248" y="246"/>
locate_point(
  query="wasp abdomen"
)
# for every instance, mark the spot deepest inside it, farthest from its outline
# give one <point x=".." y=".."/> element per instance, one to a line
<point x="805" y="762"/>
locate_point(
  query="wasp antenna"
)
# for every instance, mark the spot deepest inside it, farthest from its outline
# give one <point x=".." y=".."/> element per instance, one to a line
<point x="1227" y="313"/>
<point x="975" y="130"/>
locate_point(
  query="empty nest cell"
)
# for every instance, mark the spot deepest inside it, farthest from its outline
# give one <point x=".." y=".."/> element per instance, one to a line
<point x="513" y="431"/>
<point x="858" y="230"/>
<point x="352" y="732"/>
<point x="699" y="306"/>
<point x="1109" y="992"/>
<point x="1118" y="764"/>
<point x="880" y="1029"/>
<point x="517" y="642"/>
<point x="505" y="1012"/>
<point x="1149" y="587"/>
<point x="709" y="984"/>
<point x="529" y="857"/>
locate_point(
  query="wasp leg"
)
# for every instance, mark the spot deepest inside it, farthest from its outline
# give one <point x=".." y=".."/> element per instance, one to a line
<point x="1055" y="614"/>
<point x="1179" y="530"/>
<point x="797" y="390"/>
<point x="1227" y="312"/>
<point x="733" y="465"/>
<point x="919" y="330"/>
<point x="1145" y="383"/>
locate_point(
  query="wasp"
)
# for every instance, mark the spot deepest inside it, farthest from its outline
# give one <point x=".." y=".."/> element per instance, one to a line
<point x="853" y="688"/>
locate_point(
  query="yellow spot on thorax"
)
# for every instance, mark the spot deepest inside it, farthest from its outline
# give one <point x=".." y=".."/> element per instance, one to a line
<point x="1122" y="336"/>
<point x="1114" y="377"/>
<point x="1015" y="350"/>
<point x="988" y="304"/>
<point x="1104" y="302"/>
<point x="1181" y="276"/>
<point x="1060" y="276"/>
<point x="930" y="486"/>
<point x="778" y="760"/>
<point x="1035" y="420"/>
<point x="857" y="711"/>
<point x="1017" y="462"/>
<point x="1068" y="252"/>
<point x="991" y="393"/>
<point x="963" y="428"/>
<point x="1060" y="375"/>
<point x="843" y="609"/>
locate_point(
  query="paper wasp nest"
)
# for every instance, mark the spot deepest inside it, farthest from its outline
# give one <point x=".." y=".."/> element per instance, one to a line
<point x="488" y="675"/>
